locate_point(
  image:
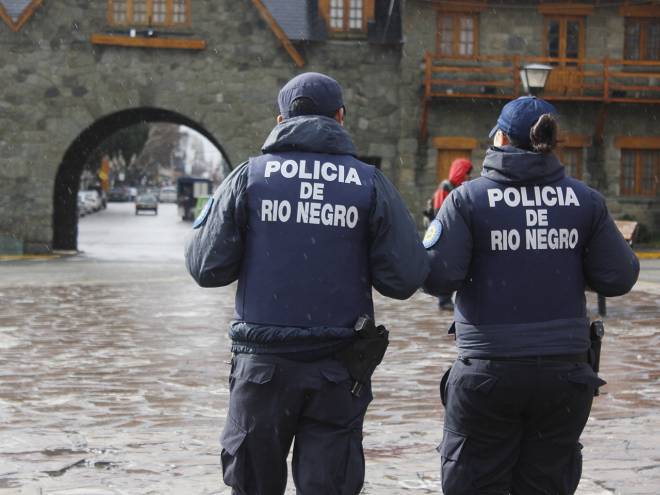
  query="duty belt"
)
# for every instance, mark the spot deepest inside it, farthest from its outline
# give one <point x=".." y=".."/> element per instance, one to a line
<point x="582" y="357"/>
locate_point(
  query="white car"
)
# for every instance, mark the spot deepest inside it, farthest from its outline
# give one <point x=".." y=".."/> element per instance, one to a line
<point x="91" y="200"/>
<point x="167" y="194"/>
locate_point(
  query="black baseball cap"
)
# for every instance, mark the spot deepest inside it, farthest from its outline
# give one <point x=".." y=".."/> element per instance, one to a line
<point x="323" y="90"/>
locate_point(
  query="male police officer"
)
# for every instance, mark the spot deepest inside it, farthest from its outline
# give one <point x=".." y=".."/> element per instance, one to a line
<point x="307" y="229"/>
<point x="520" y="243"/>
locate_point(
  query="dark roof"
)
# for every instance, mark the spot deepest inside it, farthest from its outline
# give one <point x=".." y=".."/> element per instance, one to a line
<point x="301" y="20"/>
<point x="15" y="8"/>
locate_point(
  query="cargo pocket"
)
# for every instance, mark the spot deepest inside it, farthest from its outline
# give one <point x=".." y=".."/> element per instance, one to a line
<point x="586" y="379"/>
<point x="443" y="387"/>
<point x="337" y="375"/>
<point x="452" y="445"/>
<point x="455" y="477"/>
<point x="253" y="371"/>
<point x="233" y="459"/>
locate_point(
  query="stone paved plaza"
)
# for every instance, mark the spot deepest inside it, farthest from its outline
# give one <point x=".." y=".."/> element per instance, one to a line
<point x="113" y="376"/>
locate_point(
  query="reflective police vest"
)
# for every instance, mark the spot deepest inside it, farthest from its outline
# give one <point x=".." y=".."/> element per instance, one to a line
<point x="306" y="262"/>
<point x="528" y="243"/>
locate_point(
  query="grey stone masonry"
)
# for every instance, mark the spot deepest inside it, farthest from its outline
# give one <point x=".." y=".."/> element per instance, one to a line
<point x="56" y="85"/>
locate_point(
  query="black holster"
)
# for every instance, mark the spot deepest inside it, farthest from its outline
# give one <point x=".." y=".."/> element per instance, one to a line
<point x="596" y="333"/>
<point x="365" y="353"/>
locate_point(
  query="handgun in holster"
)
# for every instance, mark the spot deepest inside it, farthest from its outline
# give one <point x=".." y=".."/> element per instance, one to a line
<point x="365" y="353"/>
<point x="596" y="333"/>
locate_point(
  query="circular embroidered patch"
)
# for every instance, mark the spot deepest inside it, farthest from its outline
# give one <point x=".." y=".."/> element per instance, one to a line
<point x="432" y="234"/>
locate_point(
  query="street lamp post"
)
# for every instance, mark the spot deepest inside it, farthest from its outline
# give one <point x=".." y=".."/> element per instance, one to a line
<point x="534" y="77"/>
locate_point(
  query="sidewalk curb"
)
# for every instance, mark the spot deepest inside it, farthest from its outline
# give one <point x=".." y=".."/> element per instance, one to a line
<point x="29" y="257"/>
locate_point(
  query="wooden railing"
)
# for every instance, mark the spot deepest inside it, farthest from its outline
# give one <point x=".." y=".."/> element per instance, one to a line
<point x="498" y="77"/>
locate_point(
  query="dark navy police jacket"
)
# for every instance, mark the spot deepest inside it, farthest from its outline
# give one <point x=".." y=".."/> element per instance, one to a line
<point x="520" y="244"/>
<point x="307" y="230"/>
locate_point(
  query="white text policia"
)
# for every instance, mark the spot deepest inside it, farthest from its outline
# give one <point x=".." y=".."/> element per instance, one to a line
<point x="542" y="236"/>
<point x="311" y="212"/>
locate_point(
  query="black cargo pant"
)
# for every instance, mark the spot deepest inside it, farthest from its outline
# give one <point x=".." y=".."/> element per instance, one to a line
<point x="513" y="427"/>
<point x="274" y="401"/>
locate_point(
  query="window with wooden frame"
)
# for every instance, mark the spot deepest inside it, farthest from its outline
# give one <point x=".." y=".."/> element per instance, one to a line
<point x="642" y="39"/>
<point x="571" y="153"/>
<point x="572" y="160"/>
<point x="149" y="12"/>
<point x="457" y="34"/>
<point x="564" y="38"/>
<point x="639" y="172"/>
<point x="564" y="33"/>
<point x="347" y="15"/>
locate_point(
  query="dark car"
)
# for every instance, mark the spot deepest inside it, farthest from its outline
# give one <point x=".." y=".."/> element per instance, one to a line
<point x="146" y="202"/>
<point x="118" y="194"/>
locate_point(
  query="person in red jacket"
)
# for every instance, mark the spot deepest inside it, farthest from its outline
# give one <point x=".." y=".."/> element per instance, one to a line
<point x="458" y="172"/>
<point x="460" y="169"/>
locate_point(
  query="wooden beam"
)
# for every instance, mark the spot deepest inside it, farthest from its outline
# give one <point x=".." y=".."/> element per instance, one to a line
<point x="369" y="10"/>
<point x="449" y="7"/>
<point x="454" y="143"/>
<point x="23" y="18"/>
<point x="637" y="142"/>
<point x="566" y="9"/>
<point x="649" y="10"/>
<point x="324" y="9"/>
<point x="279" y="33"/>
<point x="574" y="141"/>
<point x="601" y="120"/>
<point x="142" y="42"/>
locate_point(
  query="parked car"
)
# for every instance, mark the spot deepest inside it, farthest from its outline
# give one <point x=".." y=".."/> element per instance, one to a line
<point x="119" y="194"/>
<point x="146" y="202"/>
<point x="91" y="199"/>
<point x="167" y="194"/>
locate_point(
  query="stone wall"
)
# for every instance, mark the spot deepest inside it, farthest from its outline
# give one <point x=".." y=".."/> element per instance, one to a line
<point x="56" y="84"/>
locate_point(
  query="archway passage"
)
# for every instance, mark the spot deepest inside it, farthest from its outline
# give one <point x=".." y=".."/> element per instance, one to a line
<point x="65" y="213"/>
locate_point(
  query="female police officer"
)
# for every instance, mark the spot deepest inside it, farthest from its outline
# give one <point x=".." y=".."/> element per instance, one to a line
<point x="520" y="244"/>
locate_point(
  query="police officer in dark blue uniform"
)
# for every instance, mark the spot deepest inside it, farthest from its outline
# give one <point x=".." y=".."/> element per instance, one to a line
<point x="307" y="230"/>
<point x="520" y="244"/>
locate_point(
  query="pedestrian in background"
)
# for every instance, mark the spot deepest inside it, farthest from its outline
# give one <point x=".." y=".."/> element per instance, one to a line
<point x="307" y="230"/>
<point x="459" y="171"/>
<point x="520" y="244"/>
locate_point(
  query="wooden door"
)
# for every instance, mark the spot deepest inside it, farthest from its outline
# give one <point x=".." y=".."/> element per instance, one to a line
<point x="445" y="159"/>
<point x="449" y="149"/>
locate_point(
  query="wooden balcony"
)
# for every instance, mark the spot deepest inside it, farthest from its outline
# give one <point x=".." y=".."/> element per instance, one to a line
<point x="498" y="77"/>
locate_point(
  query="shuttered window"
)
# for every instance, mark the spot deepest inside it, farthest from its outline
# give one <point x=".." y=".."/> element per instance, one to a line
<point x="640" y="170"/>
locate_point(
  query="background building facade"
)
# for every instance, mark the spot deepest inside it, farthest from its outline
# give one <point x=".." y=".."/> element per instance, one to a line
<point x="424" y="81"/>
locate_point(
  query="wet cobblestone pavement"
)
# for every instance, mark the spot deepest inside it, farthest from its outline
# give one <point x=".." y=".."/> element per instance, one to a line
<point x="113" y="380"/>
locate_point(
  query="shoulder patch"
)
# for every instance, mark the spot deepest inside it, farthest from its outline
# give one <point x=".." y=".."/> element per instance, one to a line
<point x="201" y="219"/>
<point x="433" y="233"/>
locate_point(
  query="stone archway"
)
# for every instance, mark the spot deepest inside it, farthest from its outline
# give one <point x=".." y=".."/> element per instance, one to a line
<point x="65" y="216"/>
